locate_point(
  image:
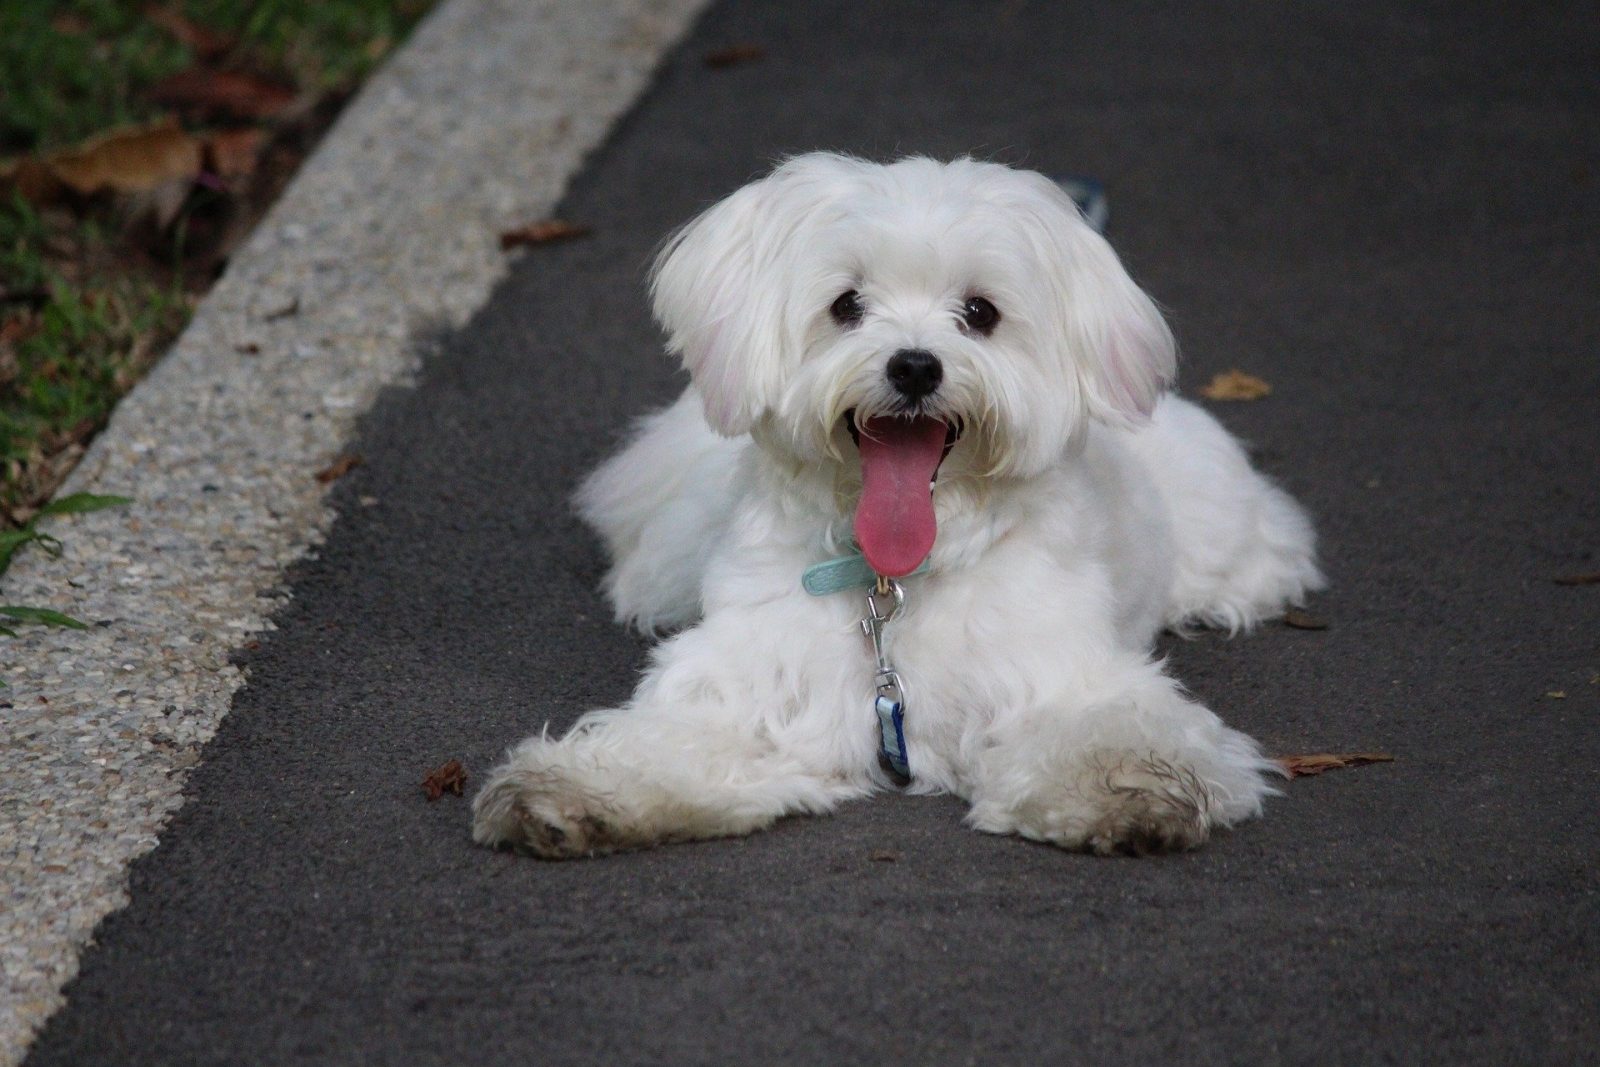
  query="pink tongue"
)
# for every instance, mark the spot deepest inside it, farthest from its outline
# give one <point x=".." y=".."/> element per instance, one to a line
<point x="895" y="526"/>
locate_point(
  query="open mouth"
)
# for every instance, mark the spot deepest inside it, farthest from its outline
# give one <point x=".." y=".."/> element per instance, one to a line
<point x="900" y="458"/>
<point x="952" y="434"/>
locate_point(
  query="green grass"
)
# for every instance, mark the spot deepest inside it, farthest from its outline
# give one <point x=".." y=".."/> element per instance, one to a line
<point x="85" y="346"/>
<point x="57" y="87"/>
<point x="71" y="68"/>
<point x="29" y="533"/>
<point x="84" y="311"/>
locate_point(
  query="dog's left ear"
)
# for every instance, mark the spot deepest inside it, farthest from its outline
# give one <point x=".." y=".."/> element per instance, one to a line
<point x="1121" y="350"/>
<point x="721" y="288"/>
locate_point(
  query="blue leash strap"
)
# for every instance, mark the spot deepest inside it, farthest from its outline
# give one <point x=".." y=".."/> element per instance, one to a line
<point x="892" y="755"/>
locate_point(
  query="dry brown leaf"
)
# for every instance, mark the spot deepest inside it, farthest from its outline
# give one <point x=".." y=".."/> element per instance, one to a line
<point x="69" y="24"/>
<point x="233" y="153"/>
<point x="1307" y="766"/>
<point x="132" y="160"/>
<point x="538" y="233"/>
<point x="338" y="469"/>
<point x="447" y="778"/>
<point x="1303" y="620"/>
<point x="1579" y="579"/>
<point x="159" y="207"/>
<point x="884" y="855"/>
<point x="1235" y="385"/>
<point x="733" y="55"/>
<point x="17" y="328"/>
<point x="224" y="92"/>
<point x="206" y="42"/>
<point x="30" y="179"/>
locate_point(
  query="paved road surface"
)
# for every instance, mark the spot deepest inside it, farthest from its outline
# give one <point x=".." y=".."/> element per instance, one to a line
<point x="1390" y="214"/>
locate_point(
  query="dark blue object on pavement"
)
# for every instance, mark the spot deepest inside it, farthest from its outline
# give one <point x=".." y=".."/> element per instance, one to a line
<point x="1090" y="196"/>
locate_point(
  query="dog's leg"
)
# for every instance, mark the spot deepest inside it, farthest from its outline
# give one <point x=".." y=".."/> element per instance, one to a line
<point x="732" y="728"/>
<point x="1126" y="764"/>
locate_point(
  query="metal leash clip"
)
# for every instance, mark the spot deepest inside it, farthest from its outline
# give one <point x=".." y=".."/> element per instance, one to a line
<point x="890" y="702"/>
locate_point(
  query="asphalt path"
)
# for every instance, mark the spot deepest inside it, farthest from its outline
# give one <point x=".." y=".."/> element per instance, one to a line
<point x="1389" y="212"/>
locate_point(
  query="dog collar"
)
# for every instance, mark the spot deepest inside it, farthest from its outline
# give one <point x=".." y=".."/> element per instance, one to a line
<point x="844" y="573"/>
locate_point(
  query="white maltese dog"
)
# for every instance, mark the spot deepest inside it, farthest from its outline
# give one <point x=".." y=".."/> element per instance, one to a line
<point x="920" y="516"/>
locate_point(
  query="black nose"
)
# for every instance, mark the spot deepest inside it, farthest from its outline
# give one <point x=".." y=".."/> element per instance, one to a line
<point x="915" y="372"/>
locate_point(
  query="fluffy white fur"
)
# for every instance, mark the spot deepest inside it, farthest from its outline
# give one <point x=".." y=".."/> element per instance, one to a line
<point x="1081" y="512"/>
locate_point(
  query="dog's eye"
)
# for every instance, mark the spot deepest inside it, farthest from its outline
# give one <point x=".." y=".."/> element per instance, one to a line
<point x="847" y="310"/>
<point x="980" y="315"/>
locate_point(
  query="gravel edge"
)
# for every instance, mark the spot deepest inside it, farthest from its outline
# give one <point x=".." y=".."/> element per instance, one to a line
<point x="389" y="232"/>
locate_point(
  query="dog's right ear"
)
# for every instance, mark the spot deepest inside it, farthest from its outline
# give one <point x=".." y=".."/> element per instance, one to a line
<point x="721" y="289"/>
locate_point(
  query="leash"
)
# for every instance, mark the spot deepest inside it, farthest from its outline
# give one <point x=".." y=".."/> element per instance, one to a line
<point x="886" y="598"/>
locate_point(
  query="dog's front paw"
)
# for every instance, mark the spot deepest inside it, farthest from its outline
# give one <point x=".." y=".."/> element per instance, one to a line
<point x="1145" y="806"/>
<point x="1109" y="804"/>
<point x="542" y="813"/>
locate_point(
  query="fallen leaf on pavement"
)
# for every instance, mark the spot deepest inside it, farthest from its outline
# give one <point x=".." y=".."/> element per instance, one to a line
<point x="224" y="92"/>
<point x="733" y="55"/>
<point x="538" y="233"/>
<point x="131" y="160"/>
<point x="1303" y="620"/>
<point x="449" y="778"/>
<point x="338" y="469"/>
<point x="1579" y="579"/>
<point x="1235" y="385"/>
<point x="1307" y="766"/>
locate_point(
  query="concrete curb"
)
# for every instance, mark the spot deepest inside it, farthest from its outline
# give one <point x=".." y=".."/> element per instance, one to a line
<point x="389" y="230"/>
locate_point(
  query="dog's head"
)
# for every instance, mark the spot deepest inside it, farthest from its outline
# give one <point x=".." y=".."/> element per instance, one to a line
<point x="967" y="291"/>
<point x="837" y="299"/>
